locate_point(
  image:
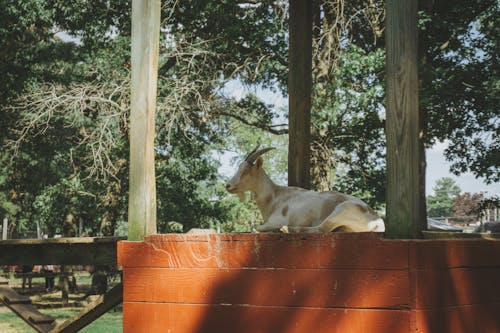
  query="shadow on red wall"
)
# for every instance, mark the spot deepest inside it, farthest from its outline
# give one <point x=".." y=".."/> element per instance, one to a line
<point x="308" y="283"/>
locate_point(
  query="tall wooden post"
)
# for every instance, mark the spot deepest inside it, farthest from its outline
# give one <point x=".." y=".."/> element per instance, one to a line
<point x="299" y="92"/>
<point x="5" y="228"/>
<point x="405" y="218"/>
<point x="142" y="187"/>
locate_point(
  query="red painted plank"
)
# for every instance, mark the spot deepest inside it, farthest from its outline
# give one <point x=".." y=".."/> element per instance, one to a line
<point x="461" y="319"/>
<point x="457" y="286"/>
<point x="189" y="318"/>
<point x="280" y="287"/>
<point x="454" y="254"/>
<point x="266" y="250"/>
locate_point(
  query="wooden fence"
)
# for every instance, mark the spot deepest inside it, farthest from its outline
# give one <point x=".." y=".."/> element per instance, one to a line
<point x="309" y="283"/>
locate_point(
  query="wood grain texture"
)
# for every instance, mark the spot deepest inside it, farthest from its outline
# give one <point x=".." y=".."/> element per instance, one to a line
<point x="405" y="218"/>
<point x="269" y="287"/>
<point x="435" y="288"/>
<point x="299" y="93"/>
<point x="144" y="62"/>
<point x="309" y="283"/>
<point x="62" y="251"/>
<point x="360" y="251"/>
<point x="475" y="318"/>
<point x="22" y="307"/>
<point x="189" y="318"/>
<point x="439" y="254"/>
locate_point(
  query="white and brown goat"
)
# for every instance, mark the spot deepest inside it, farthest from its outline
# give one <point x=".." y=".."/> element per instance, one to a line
<point x="294" y="209"/>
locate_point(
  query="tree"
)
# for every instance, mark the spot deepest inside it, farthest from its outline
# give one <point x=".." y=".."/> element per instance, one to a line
<point x="467" y="205"/>
<point x="65" y="104"/>
<point x="459" y="82"/>
<point x="441" y="203"/>
<point x="446" y="187"/>
<point x="69" y="127"/>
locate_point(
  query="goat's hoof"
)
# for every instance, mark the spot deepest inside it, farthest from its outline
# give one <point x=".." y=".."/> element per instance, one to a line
<point x="284" y="229"/>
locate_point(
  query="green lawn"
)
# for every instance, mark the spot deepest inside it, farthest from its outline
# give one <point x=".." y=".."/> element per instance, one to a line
<point x="110" y="322"/>
<point x="10" y="323"/>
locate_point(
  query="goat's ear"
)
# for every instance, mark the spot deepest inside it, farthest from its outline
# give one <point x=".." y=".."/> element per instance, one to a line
<point x="259" y="162"/>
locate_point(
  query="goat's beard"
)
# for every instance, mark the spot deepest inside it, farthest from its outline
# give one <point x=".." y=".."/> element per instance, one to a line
<point x="241" y="196"/>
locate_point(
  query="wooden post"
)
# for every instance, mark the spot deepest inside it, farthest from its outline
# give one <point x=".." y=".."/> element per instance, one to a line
<point x="38" y="230"/>
<point x="299" y="92"/>
<point x="5" y="228"/>
<point x="405" y="218"/>
<point x="142" y="188"/>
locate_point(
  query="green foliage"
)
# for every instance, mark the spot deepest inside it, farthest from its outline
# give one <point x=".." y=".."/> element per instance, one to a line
<point x="64" y="105"/>
<point x="446" y="187"/>
<point x="24" y="32"/>
<point x="459" y="82"/>
<point x="349" y="111"/>
<point x="442" y="202"/>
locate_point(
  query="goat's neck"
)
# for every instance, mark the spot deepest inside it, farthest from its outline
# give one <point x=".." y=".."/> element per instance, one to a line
<point x="263" y="193"/>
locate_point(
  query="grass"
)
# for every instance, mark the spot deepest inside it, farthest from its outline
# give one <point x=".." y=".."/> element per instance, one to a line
<point x="10" y="323"/>
<point x="111" y="322"/>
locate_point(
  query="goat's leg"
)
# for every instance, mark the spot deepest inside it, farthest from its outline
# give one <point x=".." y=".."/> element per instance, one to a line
<point x="271" y="224"/>
<point x="331" y="226"/>
<point x="346" y="216"/>
<point x="267" y="227"/>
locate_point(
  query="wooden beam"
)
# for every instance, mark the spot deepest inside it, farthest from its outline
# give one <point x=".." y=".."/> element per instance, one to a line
<point x="142" y="187"/>
<point x="299" y="93"/>
<point x="59" y="251"/>
<point x="93" y="311"/>
<point x="21" y="305"/>
<point x="405" y="218"/>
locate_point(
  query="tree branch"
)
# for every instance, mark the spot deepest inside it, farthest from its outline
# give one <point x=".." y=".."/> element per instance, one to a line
<point x="268" y="128"/>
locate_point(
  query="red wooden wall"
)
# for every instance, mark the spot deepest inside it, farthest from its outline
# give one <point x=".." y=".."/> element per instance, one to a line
<point x="339" y="282"/>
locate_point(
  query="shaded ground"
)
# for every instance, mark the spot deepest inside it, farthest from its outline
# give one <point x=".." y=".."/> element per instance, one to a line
<point x="50" y="303"/>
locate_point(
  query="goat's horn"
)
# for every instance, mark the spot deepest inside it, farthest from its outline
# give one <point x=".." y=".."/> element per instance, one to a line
<point x="252" y="152"/>
<point x="255" y="153"/>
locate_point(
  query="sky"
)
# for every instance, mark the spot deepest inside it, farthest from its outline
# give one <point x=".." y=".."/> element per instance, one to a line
<point x="437" y="166"/>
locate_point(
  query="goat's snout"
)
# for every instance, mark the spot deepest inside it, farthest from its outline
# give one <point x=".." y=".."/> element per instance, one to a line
<point x="230" y="188"/>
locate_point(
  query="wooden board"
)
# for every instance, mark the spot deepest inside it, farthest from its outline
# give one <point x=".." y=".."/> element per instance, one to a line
<point x="100" y="306"/>
<point x="189" y="318"/>
<point x="30" y="314"/>
<point x="439" y="254"/>
<point x="270" y="287"/>
<point x="21" y="306"/>
<point x="459" y="319"/>
<point x="308" y="251"/>
<point x="433" y="288"/>
<point x="59" y="251"/>
<point x="309" y="283"/>
<point x="9" y="296"/>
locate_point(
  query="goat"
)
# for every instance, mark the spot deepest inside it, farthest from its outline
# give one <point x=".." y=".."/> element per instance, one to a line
<point x="294" y="209"/>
